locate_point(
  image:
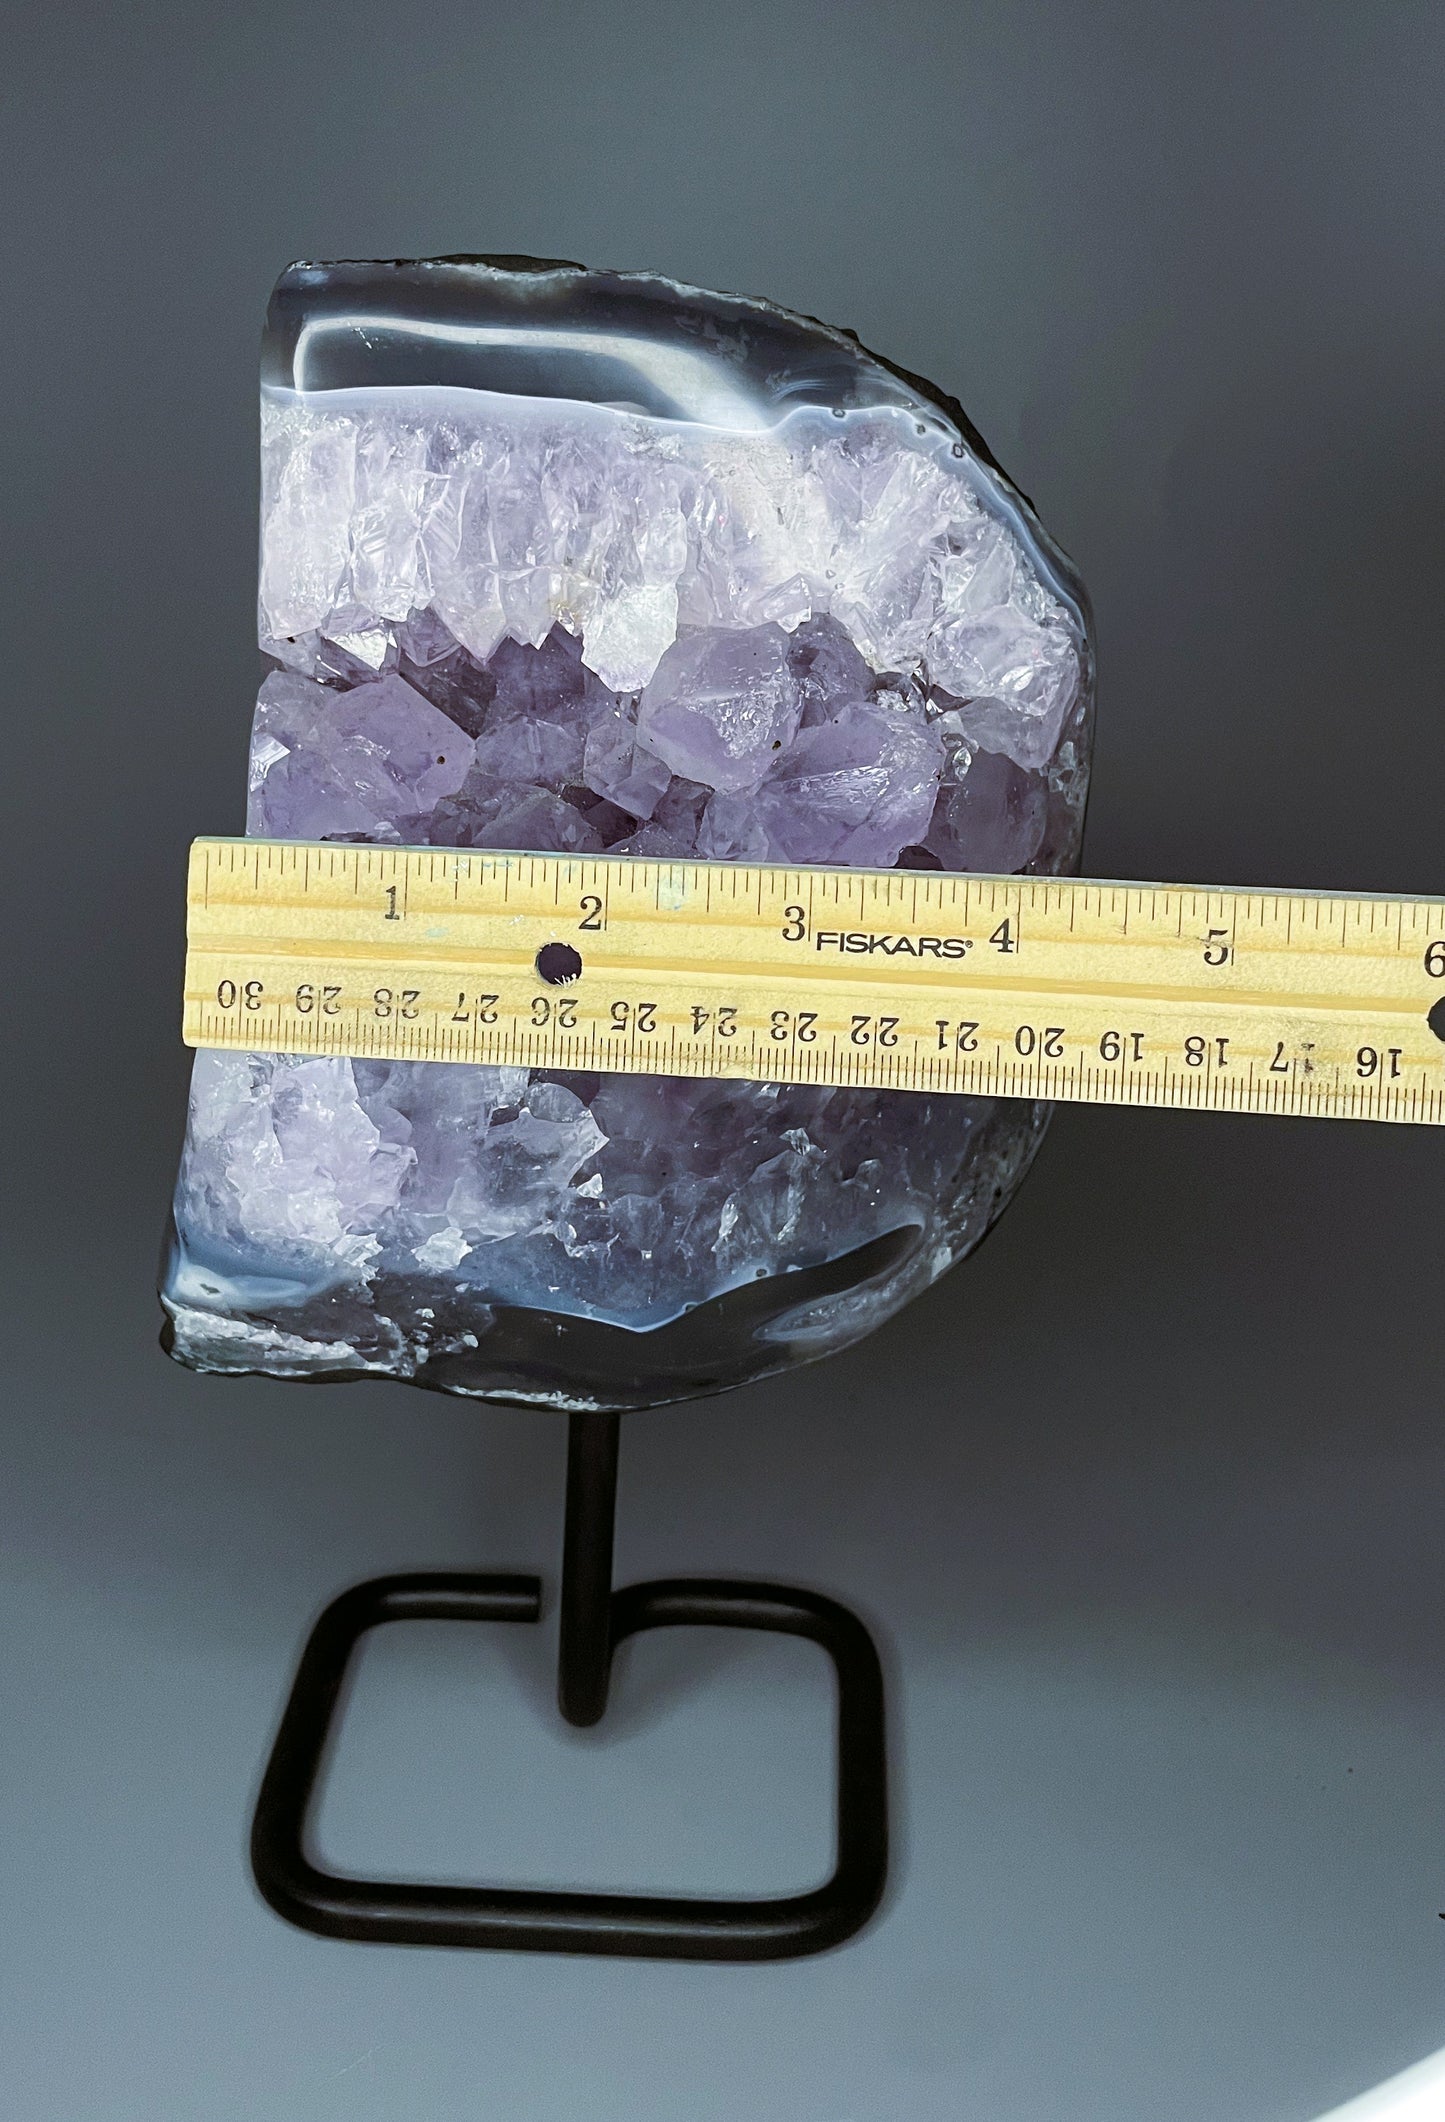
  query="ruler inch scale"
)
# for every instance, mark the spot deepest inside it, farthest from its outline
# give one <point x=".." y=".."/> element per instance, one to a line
<point x="1202" y="997"/>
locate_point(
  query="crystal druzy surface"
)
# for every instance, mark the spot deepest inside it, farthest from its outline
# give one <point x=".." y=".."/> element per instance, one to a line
<point x="577" y="561"/>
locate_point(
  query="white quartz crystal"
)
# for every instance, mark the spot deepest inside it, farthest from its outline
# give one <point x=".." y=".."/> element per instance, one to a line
<point x="503" y="521"/>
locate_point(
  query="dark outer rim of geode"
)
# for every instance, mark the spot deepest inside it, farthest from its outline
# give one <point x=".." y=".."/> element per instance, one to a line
<point x="523" y="267"/>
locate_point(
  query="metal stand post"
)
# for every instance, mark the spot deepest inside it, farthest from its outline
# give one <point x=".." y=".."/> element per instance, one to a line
<point x="584" y="1648"/>
<point x="594" y="1620"/>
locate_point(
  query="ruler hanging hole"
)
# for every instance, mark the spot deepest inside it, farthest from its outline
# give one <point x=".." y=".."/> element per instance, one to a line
<point x="558" y="963"/>
<point x="1436" y="1019"/>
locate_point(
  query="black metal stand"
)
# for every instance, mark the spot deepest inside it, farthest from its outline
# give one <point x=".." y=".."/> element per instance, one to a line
<point x="594" y="1620"/>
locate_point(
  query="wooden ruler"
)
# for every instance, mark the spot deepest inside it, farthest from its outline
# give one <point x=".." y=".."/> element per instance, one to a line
<point x="1315" y="1003"/>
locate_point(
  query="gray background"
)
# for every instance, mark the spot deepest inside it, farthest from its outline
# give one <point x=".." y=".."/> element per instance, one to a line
<point x="1143" y="1502"/>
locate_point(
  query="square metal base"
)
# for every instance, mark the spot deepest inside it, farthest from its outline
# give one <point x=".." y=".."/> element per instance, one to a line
<point x="519" y="1919"/>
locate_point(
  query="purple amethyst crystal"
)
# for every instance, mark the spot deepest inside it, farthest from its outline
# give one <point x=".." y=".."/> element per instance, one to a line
<point x="580" y="561"/>
<point x="721" y="705"/>
<point x="368" y="761"/>
<point x="856" y="789"/>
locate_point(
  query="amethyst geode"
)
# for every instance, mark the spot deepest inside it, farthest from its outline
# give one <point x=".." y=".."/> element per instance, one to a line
<point x="581" y="561"/>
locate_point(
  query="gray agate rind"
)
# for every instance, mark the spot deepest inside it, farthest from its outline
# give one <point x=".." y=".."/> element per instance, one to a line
<point x="591" y="562"/>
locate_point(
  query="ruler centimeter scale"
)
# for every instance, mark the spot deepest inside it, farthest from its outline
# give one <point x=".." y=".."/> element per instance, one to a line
<point x="1320" y="1004"/>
